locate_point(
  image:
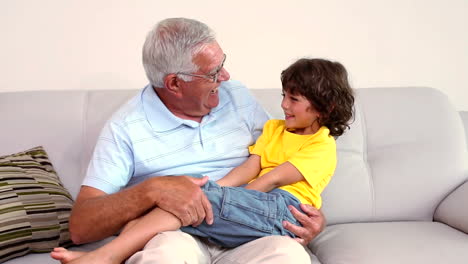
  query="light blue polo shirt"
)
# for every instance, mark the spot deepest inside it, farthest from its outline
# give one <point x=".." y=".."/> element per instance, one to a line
<point x="144" y="139"/>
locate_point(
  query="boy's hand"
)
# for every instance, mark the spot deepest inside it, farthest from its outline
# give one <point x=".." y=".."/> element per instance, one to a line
<point x="312" y="224"/>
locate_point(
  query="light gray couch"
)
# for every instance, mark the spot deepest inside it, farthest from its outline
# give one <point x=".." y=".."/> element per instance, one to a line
<point x="398" y="195"/>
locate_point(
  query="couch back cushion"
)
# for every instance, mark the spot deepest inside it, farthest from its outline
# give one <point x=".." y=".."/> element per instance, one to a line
<point x="400" y="158"/>
<point x="464" y="117"/>
<point x="406" y="155"/>
<point x="52" y="119"/>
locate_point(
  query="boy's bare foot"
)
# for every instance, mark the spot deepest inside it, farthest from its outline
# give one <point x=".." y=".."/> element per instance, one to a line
<point x="99" y="256"/>
<point x="64" y="255"/>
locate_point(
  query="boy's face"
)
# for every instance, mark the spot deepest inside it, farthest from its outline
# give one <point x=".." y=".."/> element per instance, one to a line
<point x="300" y="115"/>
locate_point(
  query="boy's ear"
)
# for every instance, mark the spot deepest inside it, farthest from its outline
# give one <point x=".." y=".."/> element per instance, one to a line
<point x="171" y="83"/>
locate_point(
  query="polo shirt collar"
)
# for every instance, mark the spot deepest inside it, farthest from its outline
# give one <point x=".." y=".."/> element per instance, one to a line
<point x="157" y="114"/>
<point x="161" y="119"/>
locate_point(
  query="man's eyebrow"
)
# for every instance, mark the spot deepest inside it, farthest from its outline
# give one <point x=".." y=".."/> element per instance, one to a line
<point x="219" y="67"/>
<point x="216" y="70"/>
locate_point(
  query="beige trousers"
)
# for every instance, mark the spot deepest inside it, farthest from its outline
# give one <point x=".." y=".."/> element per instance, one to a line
<point x="179" y="247"/>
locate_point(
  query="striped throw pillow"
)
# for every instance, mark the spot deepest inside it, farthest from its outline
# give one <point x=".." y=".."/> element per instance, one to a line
<point x="34" y="205"/>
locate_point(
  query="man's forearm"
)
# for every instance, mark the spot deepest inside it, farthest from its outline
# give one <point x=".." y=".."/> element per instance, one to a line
<point x="98" y="217"/>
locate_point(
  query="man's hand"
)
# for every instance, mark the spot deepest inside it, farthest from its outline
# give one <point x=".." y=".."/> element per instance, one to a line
<point x="97" y="215"/>
<point x="312" y="224"/>
<point x="182" y="196"/>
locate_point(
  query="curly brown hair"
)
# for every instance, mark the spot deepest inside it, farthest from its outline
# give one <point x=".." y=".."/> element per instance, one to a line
<point x="325" y="84"/>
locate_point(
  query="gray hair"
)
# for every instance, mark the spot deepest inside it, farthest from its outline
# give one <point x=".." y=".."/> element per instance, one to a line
<point x="170" y="47"/>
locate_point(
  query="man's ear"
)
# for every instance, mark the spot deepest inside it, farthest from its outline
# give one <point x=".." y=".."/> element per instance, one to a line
<point x="171" y="83"/>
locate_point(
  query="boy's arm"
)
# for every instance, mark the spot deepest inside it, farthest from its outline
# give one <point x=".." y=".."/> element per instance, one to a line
<point x="243" y="173"/>
<point x="283" y="174"/>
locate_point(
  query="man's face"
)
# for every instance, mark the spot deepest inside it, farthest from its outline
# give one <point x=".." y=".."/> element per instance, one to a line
<point x="201" y="95"/>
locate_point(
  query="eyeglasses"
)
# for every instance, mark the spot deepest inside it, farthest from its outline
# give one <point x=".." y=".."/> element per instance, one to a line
<point x="213" y="77"/>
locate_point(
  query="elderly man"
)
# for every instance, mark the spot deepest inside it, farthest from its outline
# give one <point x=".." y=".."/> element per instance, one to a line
<point x="190" y="119"/>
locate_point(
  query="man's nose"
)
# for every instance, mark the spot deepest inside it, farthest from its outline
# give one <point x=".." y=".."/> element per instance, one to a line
<point x="224" y="75"/>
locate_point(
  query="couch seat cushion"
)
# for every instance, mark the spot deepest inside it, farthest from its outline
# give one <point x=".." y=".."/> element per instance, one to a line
<point x="44" y="258"/>
<point x="391" y="242"/>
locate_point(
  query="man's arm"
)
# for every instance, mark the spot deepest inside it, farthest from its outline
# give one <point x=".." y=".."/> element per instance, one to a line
<point x="97" y="215"/>
<point x="313" y="222"/>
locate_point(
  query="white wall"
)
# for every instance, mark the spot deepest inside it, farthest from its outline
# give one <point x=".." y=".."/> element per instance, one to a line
<point x="96" y="44"/>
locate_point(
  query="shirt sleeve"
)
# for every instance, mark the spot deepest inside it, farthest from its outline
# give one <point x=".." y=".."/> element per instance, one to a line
<point x="316" y="161"/>
<point x="264" y="138"/>
<point x="253" y="114"/>
<point x="259" y="117"/>
<point x="111" y="165"/>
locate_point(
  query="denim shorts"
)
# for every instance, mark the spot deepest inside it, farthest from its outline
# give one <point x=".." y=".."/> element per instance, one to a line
<point x="242" y="215"/>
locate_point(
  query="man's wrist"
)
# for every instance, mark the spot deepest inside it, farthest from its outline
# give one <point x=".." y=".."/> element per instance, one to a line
<point x="149" y="191"/>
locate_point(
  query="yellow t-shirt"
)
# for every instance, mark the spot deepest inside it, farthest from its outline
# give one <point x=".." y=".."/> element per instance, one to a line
<point x="313" y="155"/>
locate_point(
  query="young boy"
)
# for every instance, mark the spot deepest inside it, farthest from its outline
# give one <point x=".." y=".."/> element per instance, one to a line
<point x="291" y="163"/>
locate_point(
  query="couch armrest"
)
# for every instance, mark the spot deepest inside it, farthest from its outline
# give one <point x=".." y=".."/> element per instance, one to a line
<point x="464" y="118"/>
<point x="453" y="210"/>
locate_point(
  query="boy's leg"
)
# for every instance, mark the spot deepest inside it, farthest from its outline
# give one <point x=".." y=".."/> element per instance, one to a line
<point x="131" y="240"/>
<point x="175" y="246"/>
<point x="64" y="255"/>
<point x="136" y="236"/>
<point x="172" y="247"/>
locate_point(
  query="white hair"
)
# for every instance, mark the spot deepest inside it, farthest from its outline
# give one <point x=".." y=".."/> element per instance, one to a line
<point x="170" y="47"/>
